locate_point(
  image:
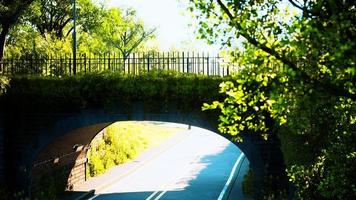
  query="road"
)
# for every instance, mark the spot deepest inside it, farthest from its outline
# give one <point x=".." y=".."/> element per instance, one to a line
<point x="196" y="165"/>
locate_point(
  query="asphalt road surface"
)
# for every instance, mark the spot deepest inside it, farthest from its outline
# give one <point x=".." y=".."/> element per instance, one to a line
<point x="198" y="165"/>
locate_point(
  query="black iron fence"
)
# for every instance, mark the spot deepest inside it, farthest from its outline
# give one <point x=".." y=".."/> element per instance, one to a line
<point x="136" y="63"/>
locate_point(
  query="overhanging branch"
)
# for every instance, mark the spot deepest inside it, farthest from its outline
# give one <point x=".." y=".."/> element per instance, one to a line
<point x="330" y="88"/>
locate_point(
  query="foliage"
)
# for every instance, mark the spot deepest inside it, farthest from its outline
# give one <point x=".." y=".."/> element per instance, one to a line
<point x="124" y="32"/>
<point x="122" y="142"/>
<point x="4" y="82"/>
<point x="52" y="184"/>
<point x="246" y="106"/>
<point x="10" y="12"/>
<point x="26" y="43"/>
<point x="55" y="17"/>
<point x="247" y="184"/>
<point x="331" y="174"/>
<point x="50" y="187"/>
<point x="118" y="146"/>
<point x="51" y="16"/>
<point x="6" y="194"/>
<point x="45" y="30"/>
<point x="50" y="94"/>
<point x="297" y="81"/>
<point x="296" y="148"/>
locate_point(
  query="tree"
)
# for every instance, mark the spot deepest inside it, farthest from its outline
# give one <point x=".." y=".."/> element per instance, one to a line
<point x="124" y="32"/>
<point x="264" y="25"/>
<point x="297" y="80"/>
<point x="55" y="16"/>
<point x="51" y="16"/>
<point x="44" y="29"/>
<point x="10" y="12"/>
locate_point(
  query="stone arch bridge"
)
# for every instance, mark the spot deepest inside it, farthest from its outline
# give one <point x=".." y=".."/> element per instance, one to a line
<point x="42" y="131"/>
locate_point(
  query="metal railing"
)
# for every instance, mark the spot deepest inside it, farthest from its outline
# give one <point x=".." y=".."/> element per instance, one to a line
<point x="136" y="63"/>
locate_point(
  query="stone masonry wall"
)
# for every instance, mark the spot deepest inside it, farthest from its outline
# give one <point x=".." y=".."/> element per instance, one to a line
<point x="78" y="173"/>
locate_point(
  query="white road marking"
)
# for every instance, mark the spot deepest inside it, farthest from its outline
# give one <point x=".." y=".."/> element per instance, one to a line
<point x="160" y="195"/>
<point x="152" y="195"/>
<point x="93" y="197"/>
<point x="228" y="182"/>
<point x="166" y="185"/>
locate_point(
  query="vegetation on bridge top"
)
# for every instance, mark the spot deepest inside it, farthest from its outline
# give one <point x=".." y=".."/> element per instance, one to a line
<point x="156" y="89"/>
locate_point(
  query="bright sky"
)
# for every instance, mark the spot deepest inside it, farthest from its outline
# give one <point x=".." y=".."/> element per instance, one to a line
<point x="171" y="19"/>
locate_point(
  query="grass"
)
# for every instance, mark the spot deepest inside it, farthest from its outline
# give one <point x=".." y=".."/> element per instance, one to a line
<point x="125" y="141"/>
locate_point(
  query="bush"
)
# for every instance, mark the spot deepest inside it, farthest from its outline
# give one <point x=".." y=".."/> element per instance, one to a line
<point x="53" y="94"/>
<point x="247" y="184"/>
<point x="122" y="142"/>
<point x="4" y="82"/>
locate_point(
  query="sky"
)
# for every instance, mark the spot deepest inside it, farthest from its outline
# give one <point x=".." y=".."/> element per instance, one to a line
<point x="172" y="21"/>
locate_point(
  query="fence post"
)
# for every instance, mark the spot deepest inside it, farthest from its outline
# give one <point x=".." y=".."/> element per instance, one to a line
<point x="74" y="63"/>
<point x="104" y="61"/>
<point x="50" y="65"/>
<point x="114" y="62"/>
<point x="175" y="61"/>
<point x="168" y="61"/>
<point x="203" y="59"/>
<point x="133" y="64"/>
<point x="109" y="63"/>
<point x="89" y="63"/>
<point x="148" y="62"/>
<point x="158" y="62"/>
<point x="188" y="63"/>
<point x="121" y="63"/>
<point x="128" y="65"/>
<point x="85" y="63"/>
<point x="207" y="63"/>
<point x="70" y="66"/>
<point x="163" y="61"/>
<point x="179" y="63"/>
<point x="153" y="60"/>
<point x="198" y="63"/>
<point x="183" y="61"/>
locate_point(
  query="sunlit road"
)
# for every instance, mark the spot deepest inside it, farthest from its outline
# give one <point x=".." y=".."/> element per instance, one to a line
<point x="198" y="165"/>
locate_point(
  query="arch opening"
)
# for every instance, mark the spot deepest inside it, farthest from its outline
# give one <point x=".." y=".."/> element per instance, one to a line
<point x="75" y="146"/>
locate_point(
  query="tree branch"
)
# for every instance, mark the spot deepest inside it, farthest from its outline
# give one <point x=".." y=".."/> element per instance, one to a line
<point x="296" y="5"/>
<point x="69" y="31"/>
<point x="326" y="86"/>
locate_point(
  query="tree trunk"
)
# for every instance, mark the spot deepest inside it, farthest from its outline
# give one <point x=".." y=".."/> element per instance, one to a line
<point x="4" y="32"/>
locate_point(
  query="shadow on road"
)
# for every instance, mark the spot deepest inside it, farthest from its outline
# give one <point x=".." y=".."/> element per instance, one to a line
<point x="200" y="184"/>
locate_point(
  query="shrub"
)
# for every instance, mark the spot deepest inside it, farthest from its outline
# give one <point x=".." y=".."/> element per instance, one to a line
<point x="123" y="142"/>
<point x="247" y="184"/>
<point x="53" y="94"/>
